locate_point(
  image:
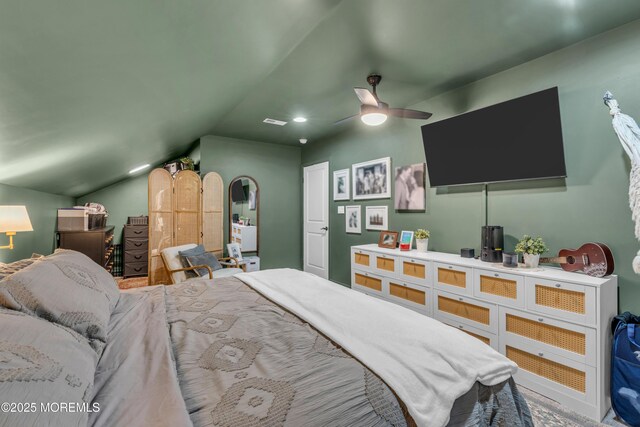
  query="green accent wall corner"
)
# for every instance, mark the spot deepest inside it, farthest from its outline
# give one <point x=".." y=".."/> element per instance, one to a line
<point x="43" y="212"/>
<point x="276" y="169"/>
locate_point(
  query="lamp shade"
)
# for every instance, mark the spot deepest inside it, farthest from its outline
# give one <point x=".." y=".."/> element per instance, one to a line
<point x="14" y="218"/>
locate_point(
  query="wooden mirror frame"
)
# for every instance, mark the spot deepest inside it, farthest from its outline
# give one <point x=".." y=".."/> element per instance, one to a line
<point x="230" y="218"/>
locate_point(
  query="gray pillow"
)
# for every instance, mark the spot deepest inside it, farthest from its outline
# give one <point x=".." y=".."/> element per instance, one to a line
<point x="44" y="363"/>
<point x="194" y="252"/>
<point x="67" y="288"/>
<point x="204" y="259"/>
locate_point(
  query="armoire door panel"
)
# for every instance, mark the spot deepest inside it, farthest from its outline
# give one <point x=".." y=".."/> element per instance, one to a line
<point x="212" y="213"/>
<point x="187" y="208"/>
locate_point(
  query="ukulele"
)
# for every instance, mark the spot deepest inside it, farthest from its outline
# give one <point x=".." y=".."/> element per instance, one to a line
<point x="595" y="259"/>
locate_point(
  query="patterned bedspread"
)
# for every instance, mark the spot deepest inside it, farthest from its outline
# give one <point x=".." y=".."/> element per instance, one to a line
<point x="244" y="361"/>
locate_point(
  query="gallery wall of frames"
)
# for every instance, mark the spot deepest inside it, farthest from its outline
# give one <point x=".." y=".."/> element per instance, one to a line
<point x="376" y="179"/>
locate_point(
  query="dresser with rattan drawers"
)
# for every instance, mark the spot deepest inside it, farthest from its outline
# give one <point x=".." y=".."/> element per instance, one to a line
<point x="554" y="324"/>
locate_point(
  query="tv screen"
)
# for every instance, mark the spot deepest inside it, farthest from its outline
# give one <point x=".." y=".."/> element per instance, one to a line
<point x="237" y="191"/>
<point x="515" y="140"/>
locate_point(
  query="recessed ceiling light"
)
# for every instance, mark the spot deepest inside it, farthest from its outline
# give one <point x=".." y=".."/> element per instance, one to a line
<point x="300" y="119"/>
<point x="139" y="168"/>
<point x="303" y="140"/>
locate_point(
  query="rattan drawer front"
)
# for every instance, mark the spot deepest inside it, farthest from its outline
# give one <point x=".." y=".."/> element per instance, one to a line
<point x="362" y="259"/>
<point x="453" y="278"/>
<point x="484" y="336"/>
<point x="561" y="299"/>
<point x="385" y="264"/>
<point x="554" y="371"/>
<point x="414" y="270"/>
<point x="503" y="288"/>
<point x="476" y="313"/>
<point x="549" y="335"/>
<point x="369" y="282"/>
<point x="410" y="295"/>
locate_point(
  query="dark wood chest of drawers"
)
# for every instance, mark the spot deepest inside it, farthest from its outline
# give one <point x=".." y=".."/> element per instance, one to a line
<point x="96" y="244"/>
<point x="136" y="248"/>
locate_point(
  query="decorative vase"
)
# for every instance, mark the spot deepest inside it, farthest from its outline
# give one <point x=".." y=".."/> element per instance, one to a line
<point x="422" y="244"/>
<point x="531" y="261"/>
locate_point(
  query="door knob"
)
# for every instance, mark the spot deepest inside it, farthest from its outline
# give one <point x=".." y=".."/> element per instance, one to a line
<point x="325" y="228"/>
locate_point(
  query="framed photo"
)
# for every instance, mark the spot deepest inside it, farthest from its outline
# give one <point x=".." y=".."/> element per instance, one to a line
<point x="409" y="188"/>
<point x="406" y="237"/>
<point x="234" y="250"/>
<point x="372" y="179"/>
<point x="388" y="239"/>
<point x="352" y="219"/>
<point x="377" y="217"/>
<point x="341" y="185"/>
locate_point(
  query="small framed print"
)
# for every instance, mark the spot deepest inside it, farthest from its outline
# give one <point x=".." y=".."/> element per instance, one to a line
<point x="377" y="217"/>
<point x="341" y="185"/>
<point x="388" y="239"/>
<point x="234" y="251"/>
<point x="352" y="219"/>
<point x="406" y="240"/>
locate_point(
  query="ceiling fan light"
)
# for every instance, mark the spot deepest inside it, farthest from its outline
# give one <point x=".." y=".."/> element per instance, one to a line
<point x="373" y="119"/>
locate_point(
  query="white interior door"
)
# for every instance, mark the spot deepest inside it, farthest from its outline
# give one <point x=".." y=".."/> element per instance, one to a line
<point x="316" y="219"/>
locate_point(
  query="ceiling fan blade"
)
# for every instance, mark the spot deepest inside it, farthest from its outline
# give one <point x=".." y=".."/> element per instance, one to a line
<point x="365" y="96"/>
<point x="409" y="114"/>
<point x="346" y="119"/>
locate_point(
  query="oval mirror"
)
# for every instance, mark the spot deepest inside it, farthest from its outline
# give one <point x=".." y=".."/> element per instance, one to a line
<point x="244" y="205"/>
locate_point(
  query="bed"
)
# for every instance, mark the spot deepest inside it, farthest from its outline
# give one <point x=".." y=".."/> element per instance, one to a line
<point x="271" y="348"/>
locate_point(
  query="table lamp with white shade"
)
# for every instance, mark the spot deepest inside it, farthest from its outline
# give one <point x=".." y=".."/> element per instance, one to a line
<point x="12" y="220"/>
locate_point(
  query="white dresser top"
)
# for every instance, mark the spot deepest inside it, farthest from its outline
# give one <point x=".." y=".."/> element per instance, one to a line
<point x="548" y="273"/>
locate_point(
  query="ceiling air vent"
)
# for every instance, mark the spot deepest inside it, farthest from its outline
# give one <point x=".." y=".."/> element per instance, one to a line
<point x="274" y="122"/>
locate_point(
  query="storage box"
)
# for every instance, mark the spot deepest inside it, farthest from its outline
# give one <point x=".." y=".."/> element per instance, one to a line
<point x="73" y="219"/>
<point x="252" y="263"/>
<point x="97" y="221"/>
<point x="138" y="220"/>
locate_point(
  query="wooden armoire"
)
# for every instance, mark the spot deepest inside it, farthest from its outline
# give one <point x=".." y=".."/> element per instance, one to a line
<point x="183" y="209"/>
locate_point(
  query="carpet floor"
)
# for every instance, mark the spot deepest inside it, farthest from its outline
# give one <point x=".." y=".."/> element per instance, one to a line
<point x="549" y="413"/>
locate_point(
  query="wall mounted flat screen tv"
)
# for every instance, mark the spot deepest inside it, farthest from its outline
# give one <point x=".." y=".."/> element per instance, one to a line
<point x="520" y="139"/>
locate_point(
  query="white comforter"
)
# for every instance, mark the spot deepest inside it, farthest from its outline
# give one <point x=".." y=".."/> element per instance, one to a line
<point x="428" y="364"/>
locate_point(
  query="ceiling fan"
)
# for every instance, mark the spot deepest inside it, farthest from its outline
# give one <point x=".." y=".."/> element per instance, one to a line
<point x="374" y="112"/>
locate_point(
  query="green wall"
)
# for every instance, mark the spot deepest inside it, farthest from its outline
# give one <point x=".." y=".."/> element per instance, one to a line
<point x="43" y="211"/>
<point x="122" y="199"/>
<point x="590" y="205"/>
<point x="276" y="169"/>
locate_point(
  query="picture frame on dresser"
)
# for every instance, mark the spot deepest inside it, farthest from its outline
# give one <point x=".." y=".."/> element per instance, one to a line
<point x="388" y="239"/>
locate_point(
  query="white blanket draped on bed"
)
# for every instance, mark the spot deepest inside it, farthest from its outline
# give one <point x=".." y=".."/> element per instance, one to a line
<point x="428" y="364"/>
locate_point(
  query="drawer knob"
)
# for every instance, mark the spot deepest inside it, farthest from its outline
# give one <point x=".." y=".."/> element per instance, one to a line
<point x="413" y="260"/>
<point x="540" y="319"/>
<point x="460" y="326"/>
<point x="496" y="275"/>
<point x="541" y="354"/>
<point x="558" y="285"/>
<point x="460" y="299"/>
<point x="450" y="267"/>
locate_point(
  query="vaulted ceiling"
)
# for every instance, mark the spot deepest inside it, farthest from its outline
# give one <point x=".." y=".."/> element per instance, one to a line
<point x="90" y="89"/>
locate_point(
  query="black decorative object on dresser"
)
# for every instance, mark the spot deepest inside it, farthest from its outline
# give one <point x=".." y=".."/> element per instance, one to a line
<point x="136" y="247"/>
<point x="96" y="244"/>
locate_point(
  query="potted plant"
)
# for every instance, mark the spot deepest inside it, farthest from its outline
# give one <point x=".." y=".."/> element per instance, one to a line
<point x="422" y="239"/>
<point x="531" y="248"/>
